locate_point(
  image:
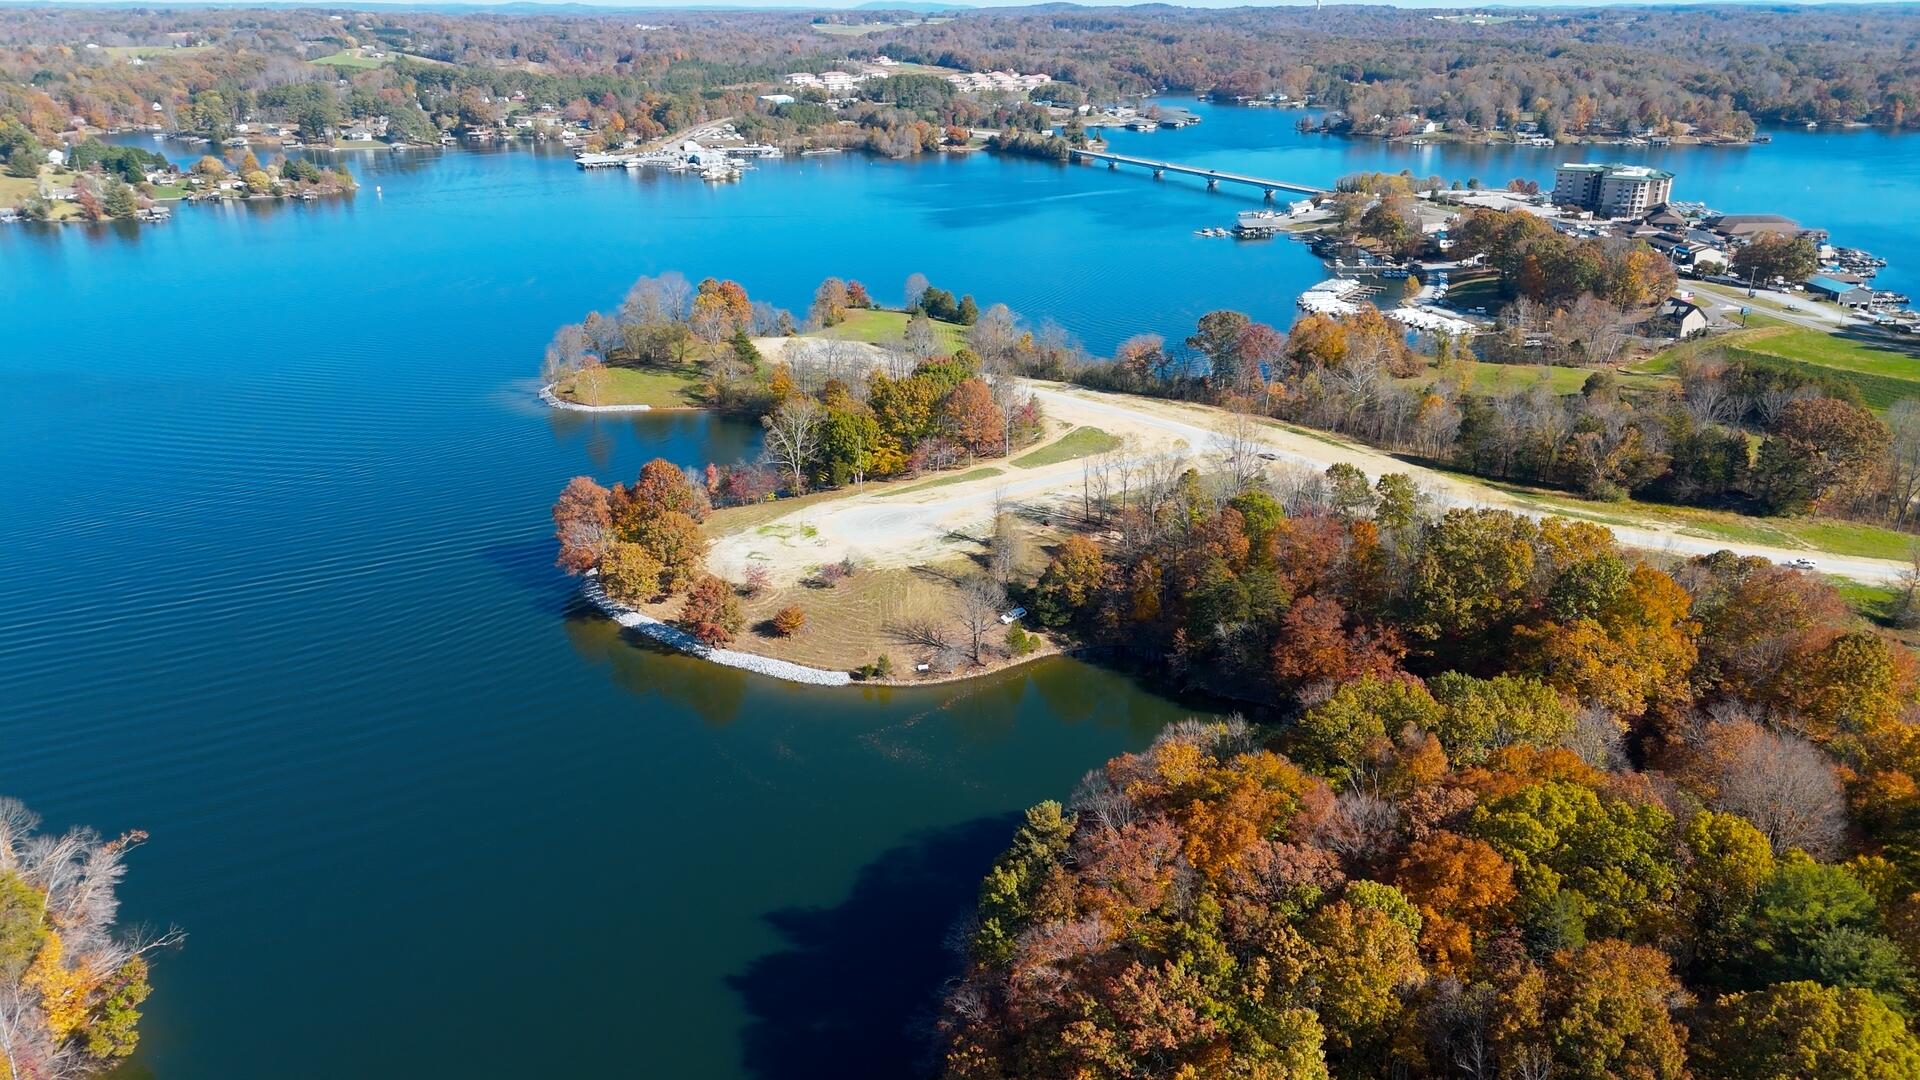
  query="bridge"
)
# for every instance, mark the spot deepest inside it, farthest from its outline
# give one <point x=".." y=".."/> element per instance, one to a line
<point x="1213" y="177"/>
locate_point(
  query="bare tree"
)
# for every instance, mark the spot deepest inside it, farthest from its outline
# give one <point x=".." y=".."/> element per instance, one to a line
<point x="994" y="335"/>
<point x="652" y="301"/>
<point x="567" y="353"/>
<point x="1236" y="450"/>
<point x="919" y="338"/>
<point x="1903" y="475"/>
<point x="1783" y="784"/>
<point x="1007" y="547"/>
<point x="980" y="601"/>
<point x="76" y="876"/>
<point x="916" y="289"/>
<point x="793" y="437"/>
<point x="1708" y="397"/>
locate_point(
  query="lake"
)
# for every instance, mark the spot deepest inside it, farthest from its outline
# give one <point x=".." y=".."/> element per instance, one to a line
<point x="276" y="586"/>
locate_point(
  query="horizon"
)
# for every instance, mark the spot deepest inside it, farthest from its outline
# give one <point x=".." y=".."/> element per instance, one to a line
<point x="919" y="7"/>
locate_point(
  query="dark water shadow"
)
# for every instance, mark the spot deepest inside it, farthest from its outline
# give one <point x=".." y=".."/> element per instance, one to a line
<point x="856" y="988"/>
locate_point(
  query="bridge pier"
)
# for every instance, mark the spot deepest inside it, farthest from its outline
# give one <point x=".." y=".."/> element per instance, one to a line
<point x="1268" y="193"/>
<point x="1113" y="166"/>
<point x="1213" y="183"/>
<point x="1159" y="174"/>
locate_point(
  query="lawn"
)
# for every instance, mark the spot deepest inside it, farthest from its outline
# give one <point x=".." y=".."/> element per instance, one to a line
<point x="15" y="190"/>
<point x="1507" y="378"/>
<point x="1078" y="443"/>
<point x="354" y="58"/>
<point x="1474" y="291"/>
<point x="880" y="327"/>
<point x="1884" y="369"/>
<point x="659" y="388"/>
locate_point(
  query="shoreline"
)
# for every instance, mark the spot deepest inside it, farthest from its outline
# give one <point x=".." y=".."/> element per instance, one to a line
<point x="675" y="638"/>
<point x="554" y="400"/>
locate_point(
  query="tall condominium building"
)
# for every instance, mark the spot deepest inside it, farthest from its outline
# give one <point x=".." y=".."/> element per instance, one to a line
<point x="1612" y="190"/>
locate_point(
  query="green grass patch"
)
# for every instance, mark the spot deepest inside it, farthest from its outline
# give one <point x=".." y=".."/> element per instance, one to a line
<point x="1884" y="369"/>
<point x="1481" y="291"/>
<point x="1078" y="443"/>
<point x="1811" y="534"/>
<point x="354" y="58"/>
<point x="952" y="478"/>
<point x="880" y="327"/>
<point x="661" y="388"/>
<point x="16" y="190"/>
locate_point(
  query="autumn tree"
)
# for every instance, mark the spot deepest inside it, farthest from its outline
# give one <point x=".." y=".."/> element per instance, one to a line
<point x="583" y="523"/>
<point x="711" y="613"/>
<point x="1771" y="257"/>
<point x="1794" y="1030"/>
<point x="974" y="420"/>
<point x="1820" y="453"/>
<point x="1070" y="581"/>
<point x="788" y="621"/>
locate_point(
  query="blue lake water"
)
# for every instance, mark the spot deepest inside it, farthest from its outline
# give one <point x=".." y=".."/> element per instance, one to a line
<point x="276" y="586"/>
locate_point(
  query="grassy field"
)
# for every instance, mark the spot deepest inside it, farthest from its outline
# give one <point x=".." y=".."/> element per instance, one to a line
<point x="354" y="58"/>
<point x="1078" y="443"/>
<point x="661" y="389"/>
<point x="15" y="190"/>
<point x="1473" y="291"/>
<point x="879" y="327"/>
<point x="1884" y="369"/>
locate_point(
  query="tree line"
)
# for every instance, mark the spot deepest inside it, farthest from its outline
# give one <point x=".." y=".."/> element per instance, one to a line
<point x="1531" y="805"/>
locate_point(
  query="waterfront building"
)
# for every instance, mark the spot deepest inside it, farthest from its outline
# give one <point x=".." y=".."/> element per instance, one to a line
<point x="1844" y="293"/>
<point x="1612" y="190"/>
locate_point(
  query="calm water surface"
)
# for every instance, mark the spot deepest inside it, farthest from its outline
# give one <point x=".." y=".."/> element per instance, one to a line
<point x="276" y="585"/>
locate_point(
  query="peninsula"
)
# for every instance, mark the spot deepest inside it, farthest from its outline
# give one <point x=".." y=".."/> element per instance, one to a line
<point x="922" y="477"/>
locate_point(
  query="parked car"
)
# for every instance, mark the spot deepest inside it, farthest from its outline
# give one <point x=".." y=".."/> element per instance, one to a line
<point x="1801" y="564"/>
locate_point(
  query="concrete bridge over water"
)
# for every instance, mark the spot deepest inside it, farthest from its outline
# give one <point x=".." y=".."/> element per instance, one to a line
<point x="1213" y="177"/>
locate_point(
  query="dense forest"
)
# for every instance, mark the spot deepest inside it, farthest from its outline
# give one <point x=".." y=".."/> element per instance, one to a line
<point x="1716" y="70"/>
<point x="1529" y="806"/>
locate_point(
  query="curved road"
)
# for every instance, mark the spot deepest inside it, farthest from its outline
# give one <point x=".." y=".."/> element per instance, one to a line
<point x="900" y="527"/>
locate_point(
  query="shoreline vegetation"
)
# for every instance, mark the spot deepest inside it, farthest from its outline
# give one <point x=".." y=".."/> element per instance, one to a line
<point x="863" y="409"/>
<point x="71" y="981"/>
<point x="281" y="78"/>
